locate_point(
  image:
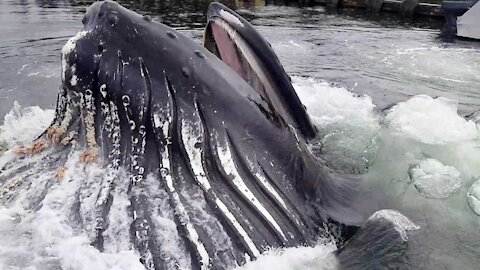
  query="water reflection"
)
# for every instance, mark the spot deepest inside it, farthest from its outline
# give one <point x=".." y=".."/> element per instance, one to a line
<point x="188" y="13"/>
<point x="185" y="13"/>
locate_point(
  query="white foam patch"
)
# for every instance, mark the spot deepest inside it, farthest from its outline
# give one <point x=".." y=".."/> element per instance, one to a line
<point x="473" y="197"/>
<point x="22" y="125"/>
<point x="348" y="123"/>
<point x="319" y="257"/>
<point x="435" y="180"/>
<point x="173" y="248"/>
<point x="431" y="120"/>
<point x="117" y="235"/>
<point x="46" y="238"/>
<point x="402" y="223"/>
<point x="332" y="105"/>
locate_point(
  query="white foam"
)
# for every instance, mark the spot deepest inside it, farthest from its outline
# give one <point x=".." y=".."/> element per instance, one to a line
<point x="473" y="197"/>
<point x="402" y="223"/>
<point x="431" y="120"/>
<point x="435" y="180"/>
<point x="46" y="239"/>
<point x="332" y="105"/>
<point x="319" y="257"/>
<point x="173" y="248"/>
<point x="348" y="123"/>
<point x="22" y="125"/>
<point x="117" y="235"/>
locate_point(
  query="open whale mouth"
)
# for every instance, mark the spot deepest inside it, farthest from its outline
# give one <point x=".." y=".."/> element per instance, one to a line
<point x="226" y="43"/>
<point x="235" y="41"/>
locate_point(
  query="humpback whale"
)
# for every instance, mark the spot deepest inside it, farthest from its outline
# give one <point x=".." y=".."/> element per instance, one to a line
<point x="151" y="126"/>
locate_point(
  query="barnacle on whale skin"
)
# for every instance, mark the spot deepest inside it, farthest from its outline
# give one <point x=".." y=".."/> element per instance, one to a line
<point x="61" y="173"/>
<point x="35" y="148"/>
<point x="89" y="156"/>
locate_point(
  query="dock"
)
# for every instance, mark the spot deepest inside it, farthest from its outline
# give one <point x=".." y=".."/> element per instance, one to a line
<point x="406" y="8"/>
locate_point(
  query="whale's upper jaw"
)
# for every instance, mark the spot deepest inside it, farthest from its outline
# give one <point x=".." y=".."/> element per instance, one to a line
<point x="234" y="40"/>
<point x="128" y="51"/>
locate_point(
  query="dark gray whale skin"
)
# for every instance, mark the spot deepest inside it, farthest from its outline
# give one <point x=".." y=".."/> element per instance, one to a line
<point x="145" y="102"/>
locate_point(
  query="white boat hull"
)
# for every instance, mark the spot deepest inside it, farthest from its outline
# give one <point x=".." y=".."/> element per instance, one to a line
<point x="468" y="25"/>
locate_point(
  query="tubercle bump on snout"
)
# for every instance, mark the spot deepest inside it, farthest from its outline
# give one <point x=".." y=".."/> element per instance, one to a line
<point x="102" y="12"/>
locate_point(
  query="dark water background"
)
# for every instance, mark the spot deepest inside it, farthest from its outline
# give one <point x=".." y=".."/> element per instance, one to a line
<point x="386" y="57"/>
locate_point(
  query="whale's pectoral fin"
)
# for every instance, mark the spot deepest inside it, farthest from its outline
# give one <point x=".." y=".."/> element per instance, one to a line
<point x="381" y="243"/>
<point x="236" y="42"/>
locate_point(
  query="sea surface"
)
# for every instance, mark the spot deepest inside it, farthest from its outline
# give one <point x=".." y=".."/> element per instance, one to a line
<point x="395" y="101"/>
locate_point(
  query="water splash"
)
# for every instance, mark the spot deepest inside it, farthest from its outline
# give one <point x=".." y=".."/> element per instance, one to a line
<point x="21" y="125"/>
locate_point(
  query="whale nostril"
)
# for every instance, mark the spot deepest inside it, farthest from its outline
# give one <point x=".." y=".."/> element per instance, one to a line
<point x="101" y="13"/>
<point x="112" y="19"/>
<point x="171" y="35"/>
<point x="84" y="19"/>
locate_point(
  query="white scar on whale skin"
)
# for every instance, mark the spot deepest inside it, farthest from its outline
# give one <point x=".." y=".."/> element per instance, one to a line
<point x="74" y="79"/>
<point x="194" y="156"/>
<point x="227" y="163"/>
<point x="90" y="119"/>
<point x="69" y="47"/>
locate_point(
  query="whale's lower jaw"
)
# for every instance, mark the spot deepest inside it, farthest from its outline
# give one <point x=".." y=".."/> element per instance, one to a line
<point x="173" y="179"/>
